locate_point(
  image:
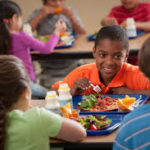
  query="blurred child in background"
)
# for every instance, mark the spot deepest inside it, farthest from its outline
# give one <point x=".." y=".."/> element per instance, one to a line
<point x="24" y="128"/>
<point x="14" y="41"/>
<point x="110" y="72"/>
<point x="134" y="132"/>
<point x="140" y="11"/>
<point x="43" y="20"/>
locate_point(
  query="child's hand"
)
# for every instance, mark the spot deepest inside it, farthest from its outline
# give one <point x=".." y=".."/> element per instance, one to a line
<point x="79" y="86"/>
<point x="60" y="27"/>
<point x="122" y="90"/>
<point x="111" y="21"/>
<point x="67" y="12"/>
<point x="123" y="24"/>
<point x="46" y="10"/>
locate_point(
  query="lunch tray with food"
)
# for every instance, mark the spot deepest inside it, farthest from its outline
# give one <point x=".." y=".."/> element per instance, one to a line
<point x="93" y="36"/>
<point x="66" y="40"/>
<point x="108" y="103"/>
<point x="100" y="123"/>
<point x="95" y="124"/>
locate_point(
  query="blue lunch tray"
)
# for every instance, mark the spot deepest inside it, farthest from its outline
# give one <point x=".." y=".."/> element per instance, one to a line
<point x="77" y="99"/>
<point x="116" y="122"/>
<point x="65" y="46"/>
<point x="139" y="33"/>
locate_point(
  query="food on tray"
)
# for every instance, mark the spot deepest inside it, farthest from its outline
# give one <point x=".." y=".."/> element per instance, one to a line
<point x="63" y="34"/>
<point x="57" y="10"/>
<point x="95" y="34"/>
<point x="65" y="39"/>
<point x="94" y="122"/>
<point x="67" y="112"/>
<point x="97" y="103"/>
<point x="43" y="38"/>
<point x="125" y="104"/>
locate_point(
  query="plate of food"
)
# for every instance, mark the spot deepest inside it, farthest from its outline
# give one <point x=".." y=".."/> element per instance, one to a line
<point x="66" y="40"/>
<point x="100" y="124"/>
<point x="95" y="124"/>
<point x="92" y="37"/>
<point x="95" y="103"/>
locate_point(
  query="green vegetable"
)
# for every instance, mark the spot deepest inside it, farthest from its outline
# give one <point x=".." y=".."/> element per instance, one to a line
<point x="95" y="34"/>
<point x="89" y="102"/>
<point x="89" y="120"/>
<point x="43" y="38"/>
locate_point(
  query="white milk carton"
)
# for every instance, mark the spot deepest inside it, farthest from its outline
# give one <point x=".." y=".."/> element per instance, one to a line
<point x="52" y="101"/>
<point x="64" y="94"/>
<point x="131" y="28"/>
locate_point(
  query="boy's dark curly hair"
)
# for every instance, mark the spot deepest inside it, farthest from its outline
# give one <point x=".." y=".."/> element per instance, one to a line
<point x="113" y="32"/>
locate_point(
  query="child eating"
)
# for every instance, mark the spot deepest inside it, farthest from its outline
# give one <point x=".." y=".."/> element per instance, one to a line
<point x="110" y="72"/>
<point x="24" y="128"/>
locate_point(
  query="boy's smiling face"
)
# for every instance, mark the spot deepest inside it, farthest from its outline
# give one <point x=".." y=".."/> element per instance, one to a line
<point x="109" y="55"/>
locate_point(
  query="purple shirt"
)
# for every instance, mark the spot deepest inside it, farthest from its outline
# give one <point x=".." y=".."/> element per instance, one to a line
<point x="22" y="43"/>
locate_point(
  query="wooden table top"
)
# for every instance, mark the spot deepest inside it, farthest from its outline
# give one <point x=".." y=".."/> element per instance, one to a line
<point x="136" y="44"/>
<point x="83" y="45"/>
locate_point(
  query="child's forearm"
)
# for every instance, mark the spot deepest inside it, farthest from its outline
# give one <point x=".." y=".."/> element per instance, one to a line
<point x="104" y="21"/>
<point x="143" y="25"/>
<point x="35" y="21"/>
<point x="77" y="28"/>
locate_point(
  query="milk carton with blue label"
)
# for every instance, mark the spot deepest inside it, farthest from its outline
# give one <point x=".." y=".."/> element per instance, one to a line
<point x="131" y="28"/>
<point x="64" y="94"/>
<point x="52" y="101"/>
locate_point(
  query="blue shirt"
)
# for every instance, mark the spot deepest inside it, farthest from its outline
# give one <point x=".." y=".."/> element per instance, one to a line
<point x="134" y="133"/>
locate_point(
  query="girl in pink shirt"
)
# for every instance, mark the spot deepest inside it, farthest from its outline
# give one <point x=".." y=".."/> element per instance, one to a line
<point x="14" y="41"/>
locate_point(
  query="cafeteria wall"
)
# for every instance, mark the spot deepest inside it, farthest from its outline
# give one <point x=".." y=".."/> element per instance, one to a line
<point x="90" y="11"/>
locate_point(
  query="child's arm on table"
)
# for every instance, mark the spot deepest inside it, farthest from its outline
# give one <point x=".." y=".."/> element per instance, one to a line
<point x="46" y="10"/>
<point x="77" y="27"/>
<point x="109" y="21"/>
<point x="71" y="131"/>
<point x="125" y="90"/>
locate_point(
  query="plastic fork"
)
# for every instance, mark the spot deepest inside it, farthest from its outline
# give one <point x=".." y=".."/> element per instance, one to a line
<point x="115" y="126"/>
<point x="96" y="88"/>
<point x="136" y="103"/>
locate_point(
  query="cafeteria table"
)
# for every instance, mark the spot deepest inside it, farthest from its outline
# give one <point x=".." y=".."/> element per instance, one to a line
<point x="82" y="48"/>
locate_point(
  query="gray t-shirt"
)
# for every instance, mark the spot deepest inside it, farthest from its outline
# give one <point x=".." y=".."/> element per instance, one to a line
<point x="47" y="25"/>
<point x="55" y="69"/>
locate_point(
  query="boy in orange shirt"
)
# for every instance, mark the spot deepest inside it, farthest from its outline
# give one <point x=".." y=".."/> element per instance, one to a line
<point x="110" y="72"/>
